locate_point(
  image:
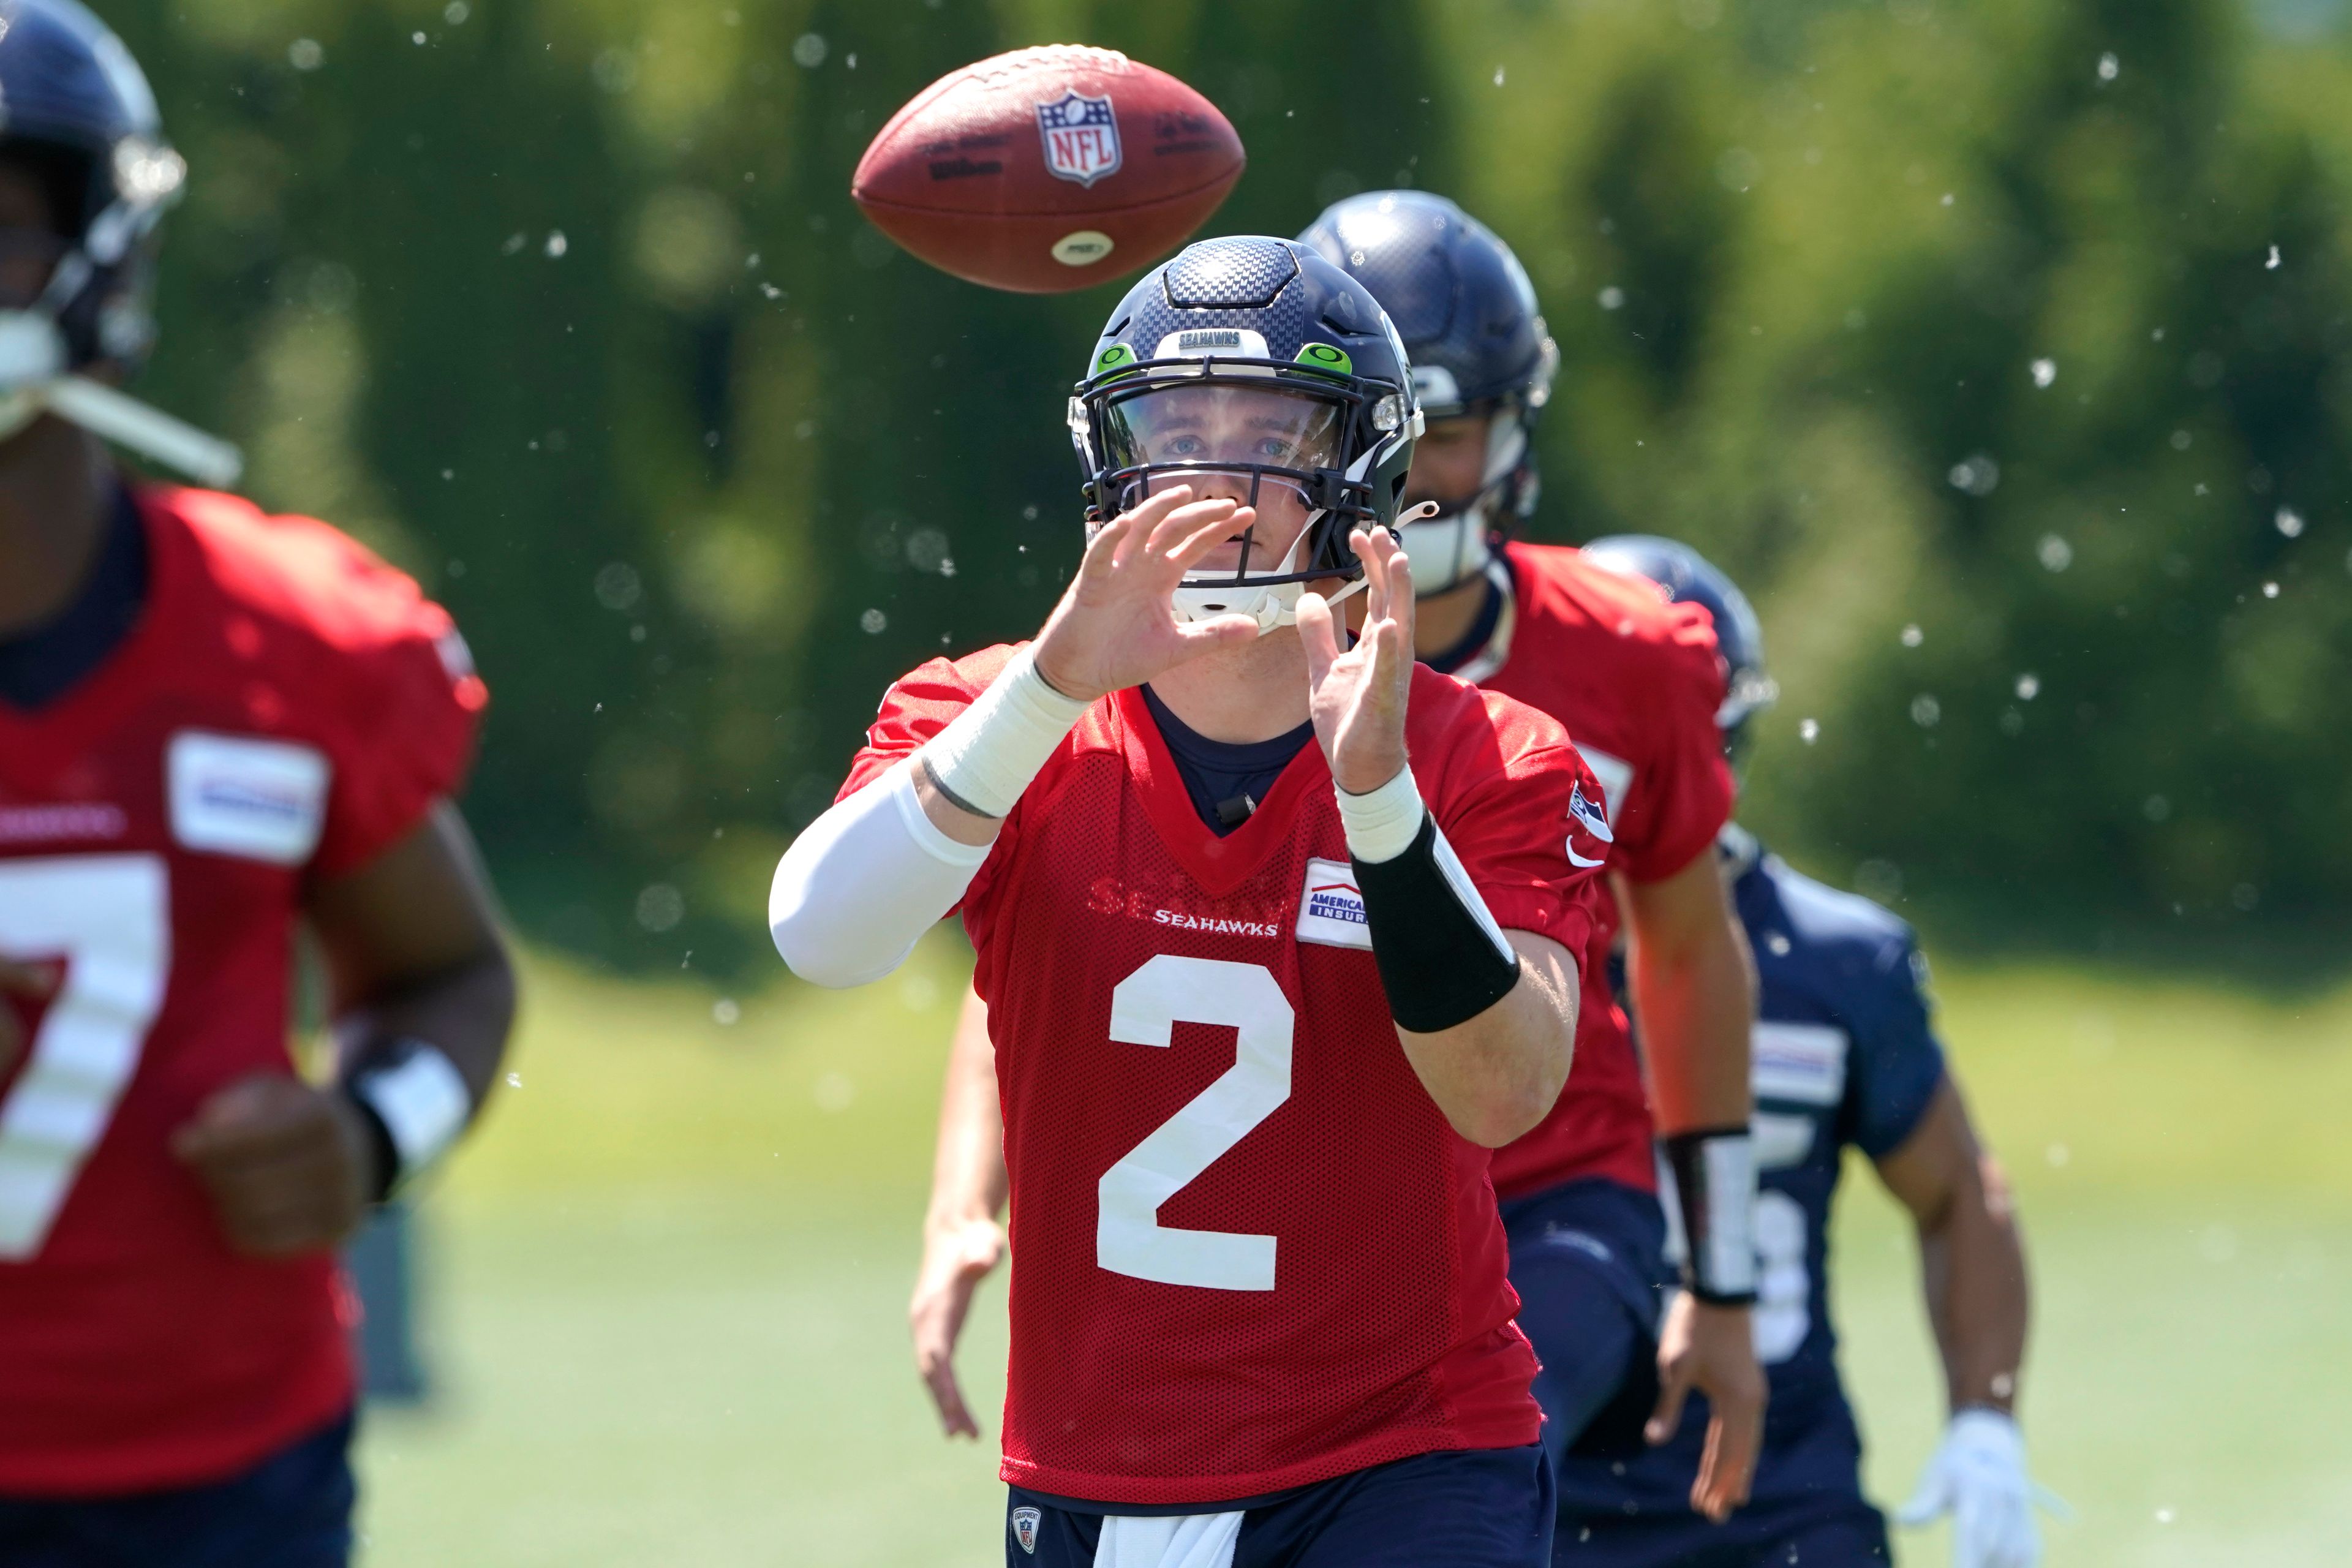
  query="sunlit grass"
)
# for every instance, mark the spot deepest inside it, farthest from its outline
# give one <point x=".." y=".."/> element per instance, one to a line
<point x="666" y="1285"/>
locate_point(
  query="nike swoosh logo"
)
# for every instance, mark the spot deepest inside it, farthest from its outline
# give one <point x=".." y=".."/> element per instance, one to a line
<point x="1575" y="859"/>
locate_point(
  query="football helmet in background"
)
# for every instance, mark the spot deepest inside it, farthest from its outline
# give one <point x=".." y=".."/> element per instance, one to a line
<point x="1251" y="368"/>
<point x="1689" y="577"/>
<point x="77" y="114"/>
<point x="1467" y="314"/>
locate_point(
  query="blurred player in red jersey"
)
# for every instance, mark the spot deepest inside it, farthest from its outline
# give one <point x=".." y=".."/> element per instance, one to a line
<point x="213" y="724"/>
<point x="1638" y="683"/>
<point x="1264" y="993"/>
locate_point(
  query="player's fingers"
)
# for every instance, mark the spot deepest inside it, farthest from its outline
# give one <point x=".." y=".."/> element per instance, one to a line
<point x="237" y="1141"/>
<point x="1401" y="599"/>
<point x="1115" y="540"/>
<point x="947" y="1398"/>
<point x="1376" y="576"/>
<point x="1317" y="636"/>
<point x="298" y="1193"/>
<point x="286" y="1218"/>
<point x="1733" y="1439"/>
<point x="1180" y="527"/>
<point x="1666" y="1416"/>
<point x="935" y="1362"/>
<point x="1213" y="531"/>
<point x="1102" y="545"/>
<point x="1145" y="516"/>
<point x="1716" y="1491"/>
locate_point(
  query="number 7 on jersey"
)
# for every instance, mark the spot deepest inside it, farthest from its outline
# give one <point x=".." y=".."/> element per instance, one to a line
<point x="110" y="917"/>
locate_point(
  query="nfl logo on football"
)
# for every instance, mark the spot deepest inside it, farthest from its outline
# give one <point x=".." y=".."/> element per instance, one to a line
<point x="1081" y="137"/>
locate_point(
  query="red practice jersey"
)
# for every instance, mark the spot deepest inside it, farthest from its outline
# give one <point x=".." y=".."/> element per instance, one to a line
<point x="286" y="709"/>
<point x="1637" y="681"/>
<point x="1252" y="1253"/>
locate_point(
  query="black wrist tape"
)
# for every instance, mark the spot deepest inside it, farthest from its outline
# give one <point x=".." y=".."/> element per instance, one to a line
<point x="1714" y="1186"/>
<point x="380" y="1148"/>
<point x="1442" y="959"/>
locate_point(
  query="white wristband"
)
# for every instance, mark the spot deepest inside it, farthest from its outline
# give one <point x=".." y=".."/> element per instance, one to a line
<point x="1381" y="823"/>
<point x="986" y="757"/>
<point x="424" y="1104"/>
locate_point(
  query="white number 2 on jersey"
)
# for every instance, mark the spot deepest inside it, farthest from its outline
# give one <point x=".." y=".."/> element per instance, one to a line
<point x="1144" y="1011"/>
<point x="109" y="917"/>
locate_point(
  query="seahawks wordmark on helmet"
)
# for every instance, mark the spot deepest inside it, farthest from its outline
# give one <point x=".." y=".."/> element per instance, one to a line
<point x="1252" y="369"/>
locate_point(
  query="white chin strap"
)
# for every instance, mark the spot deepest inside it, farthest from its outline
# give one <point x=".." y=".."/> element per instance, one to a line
<point x="1207" y="595"/>
<point x="1446" y="552"/>
<point x="1452" y="548"/>
<point x="34" y="380"/>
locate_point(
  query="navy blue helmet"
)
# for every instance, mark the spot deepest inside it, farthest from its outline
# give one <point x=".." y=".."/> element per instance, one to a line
<point x="77" y="112"/>
<point x="1689" y="577"/>
<point x="1467" y="314"/>
<point x="1252" y="369"/>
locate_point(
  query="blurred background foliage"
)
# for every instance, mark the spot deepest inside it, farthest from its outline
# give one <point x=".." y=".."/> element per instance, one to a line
<point x="2003" y="350"/>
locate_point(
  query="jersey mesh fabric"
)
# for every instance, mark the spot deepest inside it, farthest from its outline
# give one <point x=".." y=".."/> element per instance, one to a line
<point x="1387" y="1330"/>
<point x="137" y="1352"/>
<point x="1637" y="681"/>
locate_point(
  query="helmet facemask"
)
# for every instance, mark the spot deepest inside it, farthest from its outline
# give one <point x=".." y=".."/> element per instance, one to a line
<point x="1313" y="455"/>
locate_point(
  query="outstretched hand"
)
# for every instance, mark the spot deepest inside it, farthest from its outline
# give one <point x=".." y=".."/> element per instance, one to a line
<point x="1358" y="698"/>
<point x="956" y="1258"/>
<point x="1713" y="1350"/>
<point x="1117" y="624"/>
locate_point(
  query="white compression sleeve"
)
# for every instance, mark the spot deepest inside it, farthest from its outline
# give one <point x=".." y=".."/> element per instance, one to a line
<point x="859" y="888"/>
<point x="984" y="759"/>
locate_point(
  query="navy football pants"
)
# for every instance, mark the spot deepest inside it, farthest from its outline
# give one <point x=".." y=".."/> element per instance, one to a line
<point x="292" y="1511"/>
<point x="1489" y="1508"/>
<point x="1587" y="1259"/>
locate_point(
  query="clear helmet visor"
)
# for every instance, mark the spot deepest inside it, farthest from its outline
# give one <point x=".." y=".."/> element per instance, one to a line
<point x="1259" y="445"/>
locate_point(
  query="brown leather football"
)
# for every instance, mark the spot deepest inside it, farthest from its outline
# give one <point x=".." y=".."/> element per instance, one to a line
<point x="1048" y="169"/>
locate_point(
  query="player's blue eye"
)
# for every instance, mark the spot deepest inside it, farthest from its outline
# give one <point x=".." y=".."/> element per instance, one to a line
<point x="1185" y="446"/>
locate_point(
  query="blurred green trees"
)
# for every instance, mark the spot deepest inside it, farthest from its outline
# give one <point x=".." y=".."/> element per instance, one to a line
<point x="2003" y="350"/>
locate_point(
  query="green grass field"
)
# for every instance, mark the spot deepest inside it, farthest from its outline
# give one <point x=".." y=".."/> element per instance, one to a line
<point x="665" y="1285"/>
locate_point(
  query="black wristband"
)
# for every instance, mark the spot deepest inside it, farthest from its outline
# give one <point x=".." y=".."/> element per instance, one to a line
<point x="1714" y="1189"/>
<point x="380" y="1148"/>
<point x="1443" y="959"/>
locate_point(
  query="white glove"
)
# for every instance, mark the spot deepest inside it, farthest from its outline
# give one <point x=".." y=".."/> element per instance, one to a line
<point x="1977" y="1476"/>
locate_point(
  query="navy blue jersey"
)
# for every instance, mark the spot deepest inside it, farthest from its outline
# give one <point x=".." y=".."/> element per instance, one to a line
<point x="1845" y="1056"/>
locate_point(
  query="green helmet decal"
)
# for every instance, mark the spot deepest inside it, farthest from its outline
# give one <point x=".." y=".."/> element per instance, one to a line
<point x="1326" y="357"/>
<point x="1114" y="357"/>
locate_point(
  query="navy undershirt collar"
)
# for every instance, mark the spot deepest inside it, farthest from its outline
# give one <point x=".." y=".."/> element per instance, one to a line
<point x="1474" y="641"/>
<point x="1226" y="779"/>
<point x="40" y="666"/>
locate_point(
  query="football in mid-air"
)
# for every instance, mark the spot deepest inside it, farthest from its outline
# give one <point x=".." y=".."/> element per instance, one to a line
<point x="1048" y="169"/>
